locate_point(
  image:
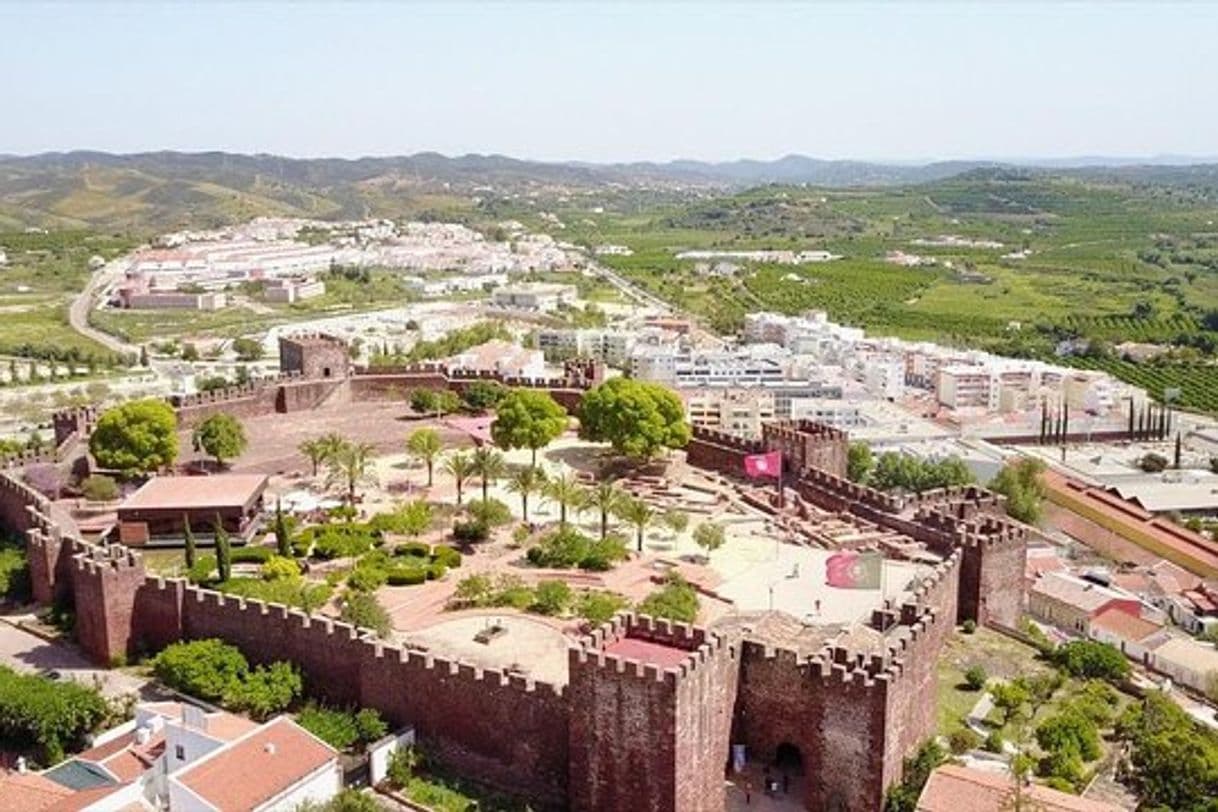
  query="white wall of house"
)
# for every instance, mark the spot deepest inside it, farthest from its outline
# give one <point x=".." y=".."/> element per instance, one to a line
<point x="319" y="787"/>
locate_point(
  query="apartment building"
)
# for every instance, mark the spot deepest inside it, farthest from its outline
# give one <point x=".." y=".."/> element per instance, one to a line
<point x="749" y="365"/>
<point x="733" y="410"/>
<point x="611" y="346"/>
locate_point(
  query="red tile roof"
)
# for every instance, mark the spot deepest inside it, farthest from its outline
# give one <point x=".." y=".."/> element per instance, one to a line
<point x="257" y="767"/>
<point x="959" y="789"/>
<point x="29" y="792"/>
<point x="195" y="492"/>
<point x="1124" y="625"/>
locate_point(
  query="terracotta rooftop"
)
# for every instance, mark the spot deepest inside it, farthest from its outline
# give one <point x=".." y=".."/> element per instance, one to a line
<point x="1083" y="595"/>
<point x="645" y="651"/>
<point x="955" y="789"/>
<point x="29" y="792"/>
<point x="1128" y="627"/>
<point x="257" y="767"/>
<point x="196" y="492"/>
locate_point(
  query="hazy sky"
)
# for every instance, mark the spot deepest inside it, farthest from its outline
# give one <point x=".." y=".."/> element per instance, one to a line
<point x="613" y="82"/>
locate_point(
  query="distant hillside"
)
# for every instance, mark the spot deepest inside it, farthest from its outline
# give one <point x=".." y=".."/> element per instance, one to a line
<point x="158" y="191"/>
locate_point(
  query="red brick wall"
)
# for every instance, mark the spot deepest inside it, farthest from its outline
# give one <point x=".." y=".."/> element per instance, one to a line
<point x="647" y="738"/>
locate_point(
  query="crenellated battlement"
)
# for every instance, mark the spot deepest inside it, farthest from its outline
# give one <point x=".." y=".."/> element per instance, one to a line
<point x="696" y="644"/>
<point x="726" y="440"/>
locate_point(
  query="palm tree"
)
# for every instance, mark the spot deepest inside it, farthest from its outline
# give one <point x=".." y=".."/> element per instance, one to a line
<point x="461" y="468"/>
<point x="489" y="466"/>
<point x="638" y="514"/>
<point x="349" y="466"/>
<point x="605" y="497"/>
<point x="566" y="491"/>
<point x="526" y="481"/>
<point x="316" y="450"/>
<point x="426" y="445"/>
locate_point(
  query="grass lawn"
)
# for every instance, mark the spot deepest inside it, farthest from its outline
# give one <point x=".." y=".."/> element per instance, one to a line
<point x="1000" y="656"/>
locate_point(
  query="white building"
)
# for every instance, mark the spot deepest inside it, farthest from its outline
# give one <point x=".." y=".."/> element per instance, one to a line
<point x="540" y="297"/>
<point x="293" y="289"/>
<point x="503" y="358"/>
<point x="611" y="346"/>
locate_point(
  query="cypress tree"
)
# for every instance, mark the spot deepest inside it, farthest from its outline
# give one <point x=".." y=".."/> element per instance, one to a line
<point x="1044" y="421"/>
<point x="224" y="555"/>
<point x="1131" y="418"/>
<point x="1065" y="421"/>
<point x="190" y="541"/>
<point x="1178" y="450"/>
<point x="283" y="541"/>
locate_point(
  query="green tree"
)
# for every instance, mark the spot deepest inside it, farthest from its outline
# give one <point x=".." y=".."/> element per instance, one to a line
<point x="460" y="467"/>
<point x="1069" y="732"/>
<point x="859" y="462"/>
<point x="605" y="497"/>
<point x="639" y="515"/>
<point x="566" y="492"/>
<point x="1022" y="483"/>
<point x="676" y="520"/>
<point x="53" y="715"/>
<point x="424" y="401"/>
<point x="903" y="797"/>
<point x="1009" y="698"/>
<point x="283" y="536"/>
<point x="482" y="395"/>
<point x="528" y="418"/>
<point x="676" y="600"/>
<point x="209" y="669"/>
<point x="224" y="551"/>
<point x="189" y="538"/>
<point x="247" y="349"/>
<point x="525" y="482"/>
<point x="222" y="436"/>
<point x="350" y="467"/>
<point x="364" y="610"/>
<point x="266" y="691"/>
<point x="278" y="567"/>
<point x="638" y="418"/>
<point x="489" y="466"/>
<point x="425" y="444"/>
<point x="99" y="488"/>
<point x="1091" y="659"/>
<point x="316" y="450"/>
<point x="551" y="598"/>
<point x="709" y="536"/>
<point x="975" y="678"/>
<point x="136" y="437"/>
<point x="1174" y="761"/>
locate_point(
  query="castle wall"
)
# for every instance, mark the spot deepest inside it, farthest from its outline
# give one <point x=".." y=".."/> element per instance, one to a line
<point x="504" y="730"/>
<point x="643" y="737"/>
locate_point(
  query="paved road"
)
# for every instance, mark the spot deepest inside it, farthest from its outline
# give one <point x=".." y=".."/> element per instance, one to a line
<point x="78" y="311"/>
<point x="646" y="298"/>
<point x="28" y="653"/>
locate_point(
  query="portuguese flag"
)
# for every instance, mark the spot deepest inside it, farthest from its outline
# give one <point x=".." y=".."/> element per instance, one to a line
<point x="850" y="570"/>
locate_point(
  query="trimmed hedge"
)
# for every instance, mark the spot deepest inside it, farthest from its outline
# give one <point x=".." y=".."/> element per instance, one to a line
<point x="407" y="577"/>
<point x="252" y="555"/>
<point x="448" y="556"/>
<point x="415" y="549"/>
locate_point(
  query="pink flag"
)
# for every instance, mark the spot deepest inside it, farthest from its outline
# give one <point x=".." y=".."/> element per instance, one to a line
<point x="851" y="570"/>
<point x="759" y="466"/>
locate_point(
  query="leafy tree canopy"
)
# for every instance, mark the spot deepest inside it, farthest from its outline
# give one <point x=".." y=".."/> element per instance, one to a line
<point x="638" y="418"/>
<point x="222" y="436"/>
<point x="527" y="418"/>
<point x="136" y="437"/>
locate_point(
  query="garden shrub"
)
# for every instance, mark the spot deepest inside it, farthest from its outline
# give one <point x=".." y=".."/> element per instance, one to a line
<point x="407" y="577"/>
<point x="491" y="512"/>
<point x="448" y="556"/>
<point x="251" y="555"/>
<point x="99" y="488"/>
<point x="413" y="548"/>
<point x="567" y="548"/>
<point x="471" y="531"/>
